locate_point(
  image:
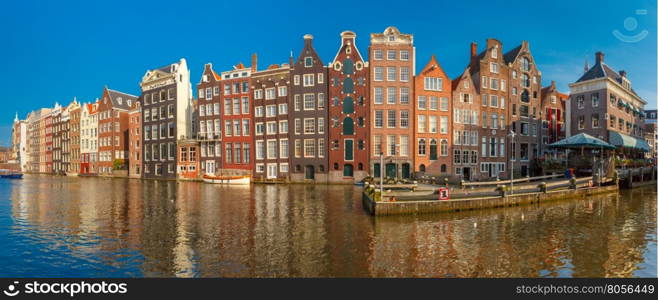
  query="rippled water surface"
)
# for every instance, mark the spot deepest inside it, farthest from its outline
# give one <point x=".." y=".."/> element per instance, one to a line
<point x="98" y="227"/>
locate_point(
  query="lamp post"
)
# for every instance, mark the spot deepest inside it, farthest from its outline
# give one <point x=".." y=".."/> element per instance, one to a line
<point x="381" y="173"/>
<point x="513" y="147"/>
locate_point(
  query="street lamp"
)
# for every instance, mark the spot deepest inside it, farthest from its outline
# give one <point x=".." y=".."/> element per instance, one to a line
<point x="381" y="171"/>
<point x="513" y="147"/>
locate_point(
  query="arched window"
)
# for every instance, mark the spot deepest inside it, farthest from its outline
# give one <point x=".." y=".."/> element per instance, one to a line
<point x="525" y="96"/>
<point x="335" y="166"/>
<point x="525" y="64"/>
<point x="348" y="66"/>
<point x="348" y="105"/>
<point x="348" y="126"/>
<point x="443" y="168"/>
<point x="525" y="80"/>
<point x="360" y="166"/>
<point x="348" y="170"/>
<point x="444" y="147"/>
<point x="421" y="147"/>
<point x="433" y="151"/>
<point x="422" y="168"/>
<point x="348" y="86"/>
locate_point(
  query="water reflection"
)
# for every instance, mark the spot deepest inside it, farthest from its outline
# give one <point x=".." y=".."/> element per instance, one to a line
<point x="58" y="226"/>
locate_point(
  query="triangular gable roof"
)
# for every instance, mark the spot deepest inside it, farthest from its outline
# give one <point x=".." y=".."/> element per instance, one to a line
<point x="309" y="47"/>
<point x="433" y="61"/>
<point x="463" y="76"/>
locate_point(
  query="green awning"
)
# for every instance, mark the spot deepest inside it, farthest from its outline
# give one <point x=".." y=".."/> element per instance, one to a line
<point x="581" y="140"/>
<point x="627" y="141"/>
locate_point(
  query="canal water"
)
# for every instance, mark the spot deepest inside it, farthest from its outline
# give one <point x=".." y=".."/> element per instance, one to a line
<point x="99" y="227"/>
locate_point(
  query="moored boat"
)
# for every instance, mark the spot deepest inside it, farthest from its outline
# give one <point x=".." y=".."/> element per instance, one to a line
<point x="224" y="179"/>
<point x="9" y="174"/>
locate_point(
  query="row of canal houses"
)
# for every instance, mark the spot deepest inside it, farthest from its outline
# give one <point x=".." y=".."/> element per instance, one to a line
<point x="335" y="121"/>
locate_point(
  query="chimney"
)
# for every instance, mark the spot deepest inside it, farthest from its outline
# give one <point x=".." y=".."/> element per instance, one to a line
<point x="553" y="84"/>
<point x="474" y="52"/>
<point x="599" y="57"/>
<point x="622" y="73"/>
<point x="254" y="62"/>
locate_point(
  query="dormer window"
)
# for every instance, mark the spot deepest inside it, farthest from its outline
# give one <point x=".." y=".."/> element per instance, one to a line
<point x="308" y="61"/>
<point x="391" y="38"/>
<point x="119" y="100"/>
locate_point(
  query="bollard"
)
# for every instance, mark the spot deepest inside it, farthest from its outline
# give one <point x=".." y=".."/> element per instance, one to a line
<point x="502" y="190"/>
<point x="572" y="183"/>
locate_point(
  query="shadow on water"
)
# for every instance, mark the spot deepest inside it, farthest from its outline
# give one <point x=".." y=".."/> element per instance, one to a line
<point x="62" y="226"/>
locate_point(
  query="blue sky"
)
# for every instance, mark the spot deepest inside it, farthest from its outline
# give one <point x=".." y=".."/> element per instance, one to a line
<point x="57" y="50"/>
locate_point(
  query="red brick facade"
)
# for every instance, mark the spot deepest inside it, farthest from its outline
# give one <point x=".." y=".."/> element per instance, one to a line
<point x="433" y="115"/>
<point x="349" y="104"/>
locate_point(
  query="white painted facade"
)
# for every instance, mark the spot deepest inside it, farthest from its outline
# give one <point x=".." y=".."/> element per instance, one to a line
<point x="89" y="130"/>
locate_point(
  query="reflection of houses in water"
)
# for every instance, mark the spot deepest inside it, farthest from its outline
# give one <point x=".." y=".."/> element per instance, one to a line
<point x="164" y="228"/>
<point x="515" y="242"/>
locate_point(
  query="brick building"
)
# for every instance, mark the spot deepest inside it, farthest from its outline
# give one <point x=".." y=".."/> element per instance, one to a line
<point x="464" y="148"/>
<point x="113" y="108"/>
<point x="166" y="103"/>
<point x="433" y="111"/>
<point x="490" y="73"/>
<point x="56" y="129"/>
<point x="392" y="67"/>
<point x="237" y="114"/>
<point x="210" y="121"/>
<point x="524" y="79"/>
<point x="270" y="93"/>
<point x="188" y="159"/>
<point x="308" y="95"/>
<point x="74" y="134"/>
<point x="349" y="105"/>
<point x="135" y="141"/>
<point x="552" y="117"/>
<point x="602" y="103"/>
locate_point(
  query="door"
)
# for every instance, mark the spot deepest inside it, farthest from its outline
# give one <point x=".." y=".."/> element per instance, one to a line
<point x="405" y="170"/>
<point x="210" y="167"/>
<point x="310" y="172"/>
<point x="524" y="171"/>
<point x="390" y="170"/>
<point x="271" y="171"/>
<point x="377" y="170"/>
<point x="467" y="173"/>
